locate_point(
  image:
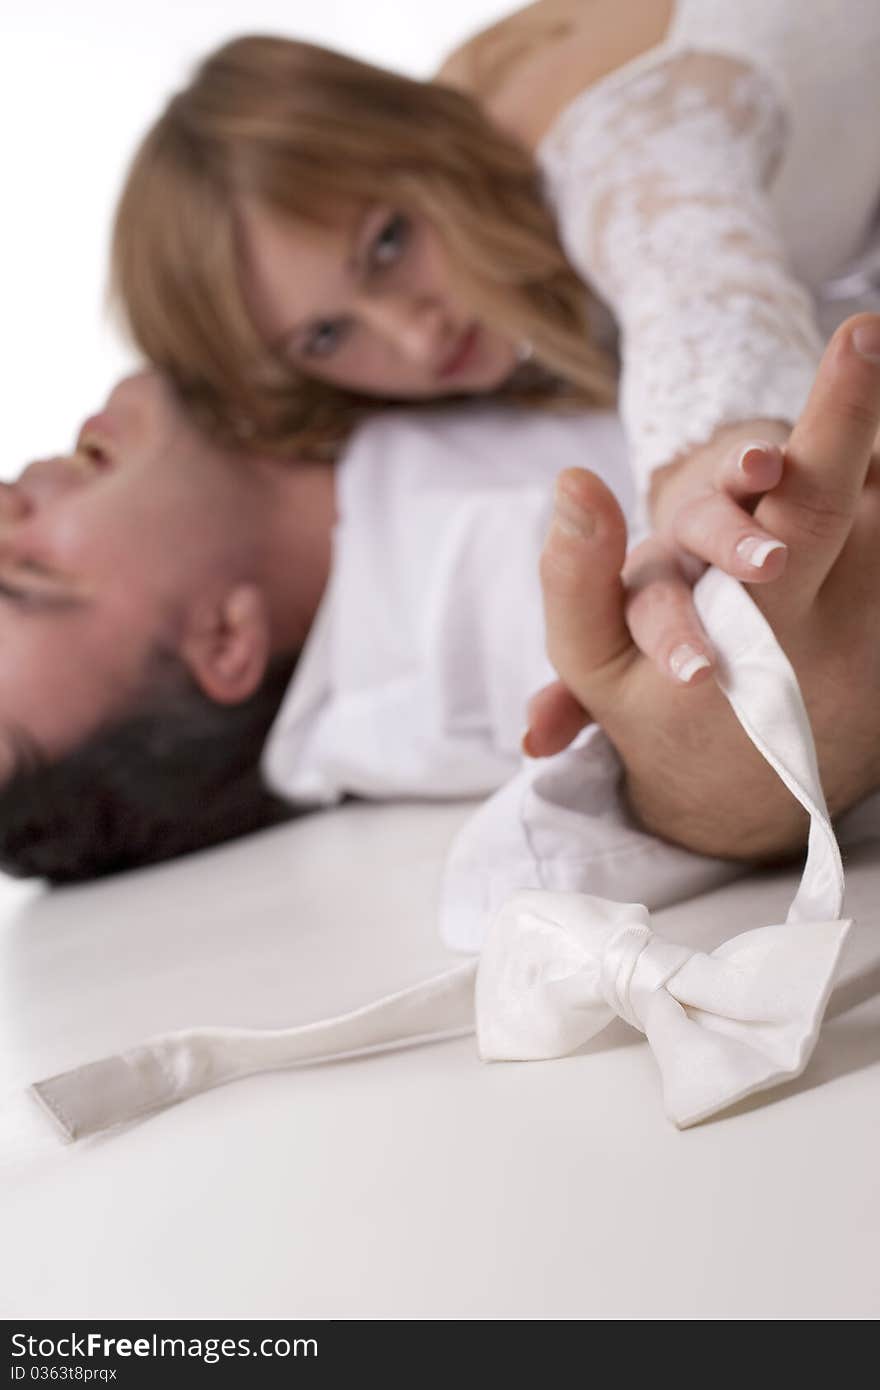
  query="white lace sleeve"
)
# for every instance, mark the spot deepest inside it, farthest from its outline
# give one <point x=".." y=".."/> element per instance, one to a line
<point x="660" y="183"/>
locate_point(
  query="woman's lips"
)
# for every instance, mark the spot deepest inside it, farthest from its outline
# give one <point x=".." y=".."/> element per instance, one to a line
<point x="463" y="354"/>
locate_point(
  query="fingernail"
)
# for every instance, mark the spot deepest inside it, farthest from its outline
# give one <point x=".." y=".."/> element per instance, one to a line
<point x="686" y="661"/>
<point x="866" y="340"/>
<point x="574" y="520"/>
<point x="755" y="551"/>
<point x="752" y="453"/>
<point x="525" y="744"/>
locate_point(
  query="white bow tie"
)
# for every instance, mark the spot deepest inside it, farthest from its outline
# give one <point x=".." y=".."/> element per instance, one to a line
<point x="558" y="967"/>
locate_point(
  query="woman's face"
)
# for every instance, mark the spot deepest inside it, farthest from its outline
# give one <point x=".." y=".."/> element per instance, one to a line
<point x="368" y="304"/>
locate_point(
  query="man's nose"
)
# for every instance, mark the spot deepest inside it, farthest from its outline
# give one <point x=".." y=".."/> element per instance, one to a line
<point x="47" y="478"/>
<point x="14" y="505"/>
<point x="415" y="326"/>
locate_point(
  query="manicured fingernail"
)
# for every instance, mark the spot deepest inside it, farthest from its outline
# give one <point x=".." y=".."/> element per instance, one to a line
<point x="755" y="551"/>
<point x="686" y="661"/>
<point x="571" y="518"/>
<point x="753" y="454"/>
<point x="866" y="340"/>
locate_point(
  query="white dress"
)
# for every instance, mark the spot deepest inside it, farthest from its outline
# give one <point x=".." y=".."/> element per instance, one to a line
<point x="702" y="191"/>
<point x="721" y="193"/>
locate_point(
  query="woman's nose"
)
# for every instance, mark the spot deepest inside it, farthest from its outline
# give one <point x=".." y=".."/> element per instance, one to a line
<point x="415" y="327"/>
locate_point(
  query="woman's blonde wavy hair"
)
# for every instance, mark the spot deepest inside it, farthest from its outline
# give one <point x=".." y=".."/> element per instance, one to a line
<point x="299" y="127"/>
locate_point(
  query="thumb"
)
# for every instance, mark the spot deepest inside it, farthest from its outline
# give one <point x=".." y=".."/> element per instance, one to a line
<point x="580" y="578"/>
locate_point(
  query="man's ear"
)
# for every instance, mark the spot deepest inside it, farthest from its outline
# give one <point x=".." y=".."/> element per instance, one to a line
<point x="228" y="644"/>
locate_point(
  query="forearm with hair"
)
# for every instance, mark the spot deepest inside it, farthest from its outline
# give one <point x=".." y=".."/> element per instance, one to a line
<point x="693" y="777"/>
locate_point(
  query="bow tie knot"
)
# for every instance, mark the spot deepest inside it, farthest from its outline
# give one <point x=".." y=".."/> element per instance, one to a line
<point x="557" y="967"/>
<point x="636" y="964"/>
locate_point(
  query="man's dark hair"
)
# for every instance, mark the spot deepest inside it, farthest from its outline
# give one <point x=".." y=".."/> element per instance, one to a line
<point x="176" y="772"/>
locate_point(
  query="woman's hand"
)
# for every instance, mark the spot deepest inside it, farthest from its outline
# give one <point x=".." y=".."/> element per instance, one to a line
<point x="701" y="508"/>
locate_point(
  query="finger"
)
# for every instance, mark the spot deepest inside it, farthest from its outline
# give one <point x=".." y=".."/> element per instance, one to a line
<point x="827" y="458"/>
<point x="554" y="718"/>
<point x="851" y="587"/>
<point x="748" y="472"/>
<point x="580" y="577"/>
<point x="715" y="529"/>
<point x="661" y="615"/>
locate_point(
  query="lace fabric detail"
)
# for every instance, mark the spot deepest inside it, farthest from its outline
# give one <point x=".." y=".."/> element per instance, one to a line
<point x="660" y="182"/>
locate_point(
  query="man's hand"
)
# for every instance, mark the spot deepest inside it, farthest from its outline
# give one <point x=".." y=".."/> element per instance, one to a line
<point x="692" y="774"/>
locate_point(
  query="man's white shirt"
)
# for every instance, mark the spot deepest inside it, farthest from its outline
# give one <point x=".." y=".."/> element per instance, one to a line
<point x="430" y="636"/>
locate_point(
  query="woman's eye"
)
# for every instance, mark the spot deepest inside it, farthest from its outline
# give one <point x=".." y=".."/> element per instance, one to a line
<point x="324" y="339"/>
<point x="389" y="244"/>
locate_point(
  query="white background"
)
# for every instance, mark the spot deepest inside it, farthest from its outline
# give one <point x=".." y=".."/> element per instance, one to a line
<point x="80" y="80"/>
